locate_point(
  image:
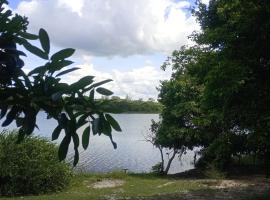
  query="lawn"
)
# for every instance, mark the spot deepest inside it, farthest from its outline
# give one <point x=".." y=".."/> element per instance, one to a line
<point x="133" y="185"/>
<point x="153" y="187"/>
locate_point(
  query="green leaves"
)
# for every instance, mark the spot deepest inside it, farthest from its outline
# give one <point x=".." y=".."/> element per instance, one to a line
<point x="56" y="132"/>
<point x="36" y="51"/>
<point x="10" y="116"/>
<point x="28" y="36"/>
<point x="63" y="54"/>
<point x="82" y="83"/>
<point x="100" y="83"/>
<point x="3" y="111"/>
<point x="95" y="126"/>
<point x="67" y="71"/>
<point x="85" y="137"/>
<point x="44" y="40"/>
<point x="113" y="122"/>
<point x="63" y="148"/>
<point x="104" y="91"/>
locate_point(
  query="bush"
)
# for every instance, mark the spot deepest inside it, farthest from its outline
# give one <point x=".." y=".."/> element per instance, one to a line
<point x="214" y="173"/>
<point x="30" y="167"/>
<point x="157" y="168"/>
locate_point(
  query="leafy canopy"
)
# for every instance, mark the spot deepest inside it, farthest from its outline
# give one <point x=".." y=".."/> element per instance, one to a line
<point x="218" y="96"/>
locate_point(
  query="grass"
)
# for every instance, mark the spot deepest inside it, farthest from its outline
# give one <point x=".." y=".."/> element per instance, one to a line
<point x="155" y="187"/>
<point x="135" y="185"/>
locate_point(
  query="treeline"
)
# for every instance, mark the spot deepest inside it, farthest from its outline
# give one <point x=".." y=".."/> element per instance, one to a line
<point x="118" y="105"/>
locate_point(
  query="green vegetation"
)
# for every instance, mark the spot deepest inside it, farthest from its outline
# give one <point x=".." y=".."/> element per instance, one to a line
<point x="218" y="95"/>
<point x="117" y="105"/>
<point x="134" y="185"/>
<point x="153" y="187"/>
<point x="30" y="167"/>
<point x="23" y="95"/>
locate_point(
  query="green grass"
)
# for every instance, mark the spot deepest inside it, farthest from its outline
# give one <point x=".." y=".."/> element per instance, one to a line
<point x="136" y="185"/>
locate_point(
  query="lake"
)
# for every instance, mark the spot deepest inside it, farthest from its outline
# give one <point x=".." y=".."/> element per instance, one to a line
<point x="133" y="152"/>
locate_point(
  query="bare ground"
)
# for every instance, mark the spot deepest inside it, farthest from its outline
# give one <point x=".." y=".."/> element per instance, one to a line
<point x="244" y="188"/>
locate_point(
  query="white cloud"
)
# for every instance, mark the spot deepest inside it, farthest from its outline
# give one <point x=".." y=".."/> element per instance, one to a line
<point x="205" y="2"/>
<point x="112" y="27"/>
<point x="137" y="83"/>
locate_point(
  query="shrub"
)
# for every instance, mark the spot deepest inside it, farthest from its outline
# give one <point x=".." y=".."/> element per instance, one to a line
<point x="157" y="168"/>
<point x="30" y="167"/>
<point x="213" y="172"/>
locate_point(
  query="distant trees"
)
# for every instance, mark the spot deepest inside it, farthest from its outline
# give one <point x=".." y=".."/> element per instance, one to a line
<point x="219" y="93"/>
<point x="118" y="105"/>
<point x="23" y="96"/>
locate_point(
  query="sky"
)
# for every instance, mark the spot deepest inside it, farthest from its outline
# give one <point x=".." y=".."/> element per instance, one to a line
<point x="125" y="40"/>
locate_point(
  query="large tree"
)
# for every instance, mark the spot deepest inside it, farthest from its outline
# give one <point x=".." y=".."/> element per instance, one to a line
<point x="225" y="78"/>
<point x="23" y="96"/>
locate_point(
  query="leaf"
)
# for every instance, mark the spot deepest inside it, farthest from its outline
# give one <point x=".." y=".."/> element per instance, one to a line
<point x="19" y="121"/>
<point x="37" y="70"/>
<point x="56" y="132"/>
<point x="58" y="65"/>
<point x="92" y="94"/>
<point x="36" y="51"/>
<point x="82" y="83"/>
<point x="67" y="71"/>
<point x="28" y="36"/>
<point x="63" y="148"/>
<point x="62" y="54"/>
<point x="82" y="120"/>
<point x="85" y="137"/>
<point x="99" y="83"/>
<point x="106" y="127"/>
<point x="76" y="140"/>
<point x="76" y="157"/>
<point x="113" y="122"/>
<point x="30" y="124"/>
<point x="44" y="40"/>
<point x="3" y="111"/>
<point x="95" y="126"/>
<point x="104" y="91"/>
<point x="10" y="116"/>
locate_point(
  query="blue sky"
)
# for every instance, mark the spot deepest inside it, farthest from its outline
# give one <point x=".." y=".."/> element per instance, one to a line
<point x="125" y="40"/>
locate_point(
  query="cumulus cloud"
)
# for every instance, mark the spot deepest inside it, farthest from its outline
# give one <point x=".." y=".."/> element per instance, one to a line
<point x="112" y="27"/>
<point x="140" y="82"/>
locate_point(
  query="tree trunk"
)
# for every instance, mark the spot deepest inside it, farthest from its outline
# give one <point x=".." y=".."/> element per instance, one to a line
<point x="170" y="162"/>
<point x="162" y="159"/>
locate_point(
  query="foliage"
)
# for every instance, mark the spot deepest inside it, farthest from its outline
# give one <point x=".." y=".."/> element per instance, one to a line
<point x="117" y="105"/>
<point x="213" y="172"/>
<point x="217" y="97"/>
<point x="23" y="95"/>
<point x="31" y="167"/>
<point x="169" y="151"/>
<point x="157" y="168"/>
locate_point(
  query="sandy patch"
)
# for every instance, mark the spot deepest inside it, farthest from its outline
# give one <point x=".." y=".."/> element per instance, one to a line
<point x="166" y="184"/>
<point x="230" y="184"/>
<point x="108" y="183"/>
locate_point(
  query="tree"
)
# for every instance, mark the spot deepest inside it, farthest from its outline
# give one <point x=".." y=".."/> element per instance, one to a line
<point x="23" y="96"/>
<point x="219" y="90"/>
<point x="171" y="152"/>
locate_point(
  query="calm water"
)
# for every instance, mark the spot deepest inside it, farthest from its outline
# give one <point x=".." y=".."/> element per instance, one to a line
<point x="133" y="152"/>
